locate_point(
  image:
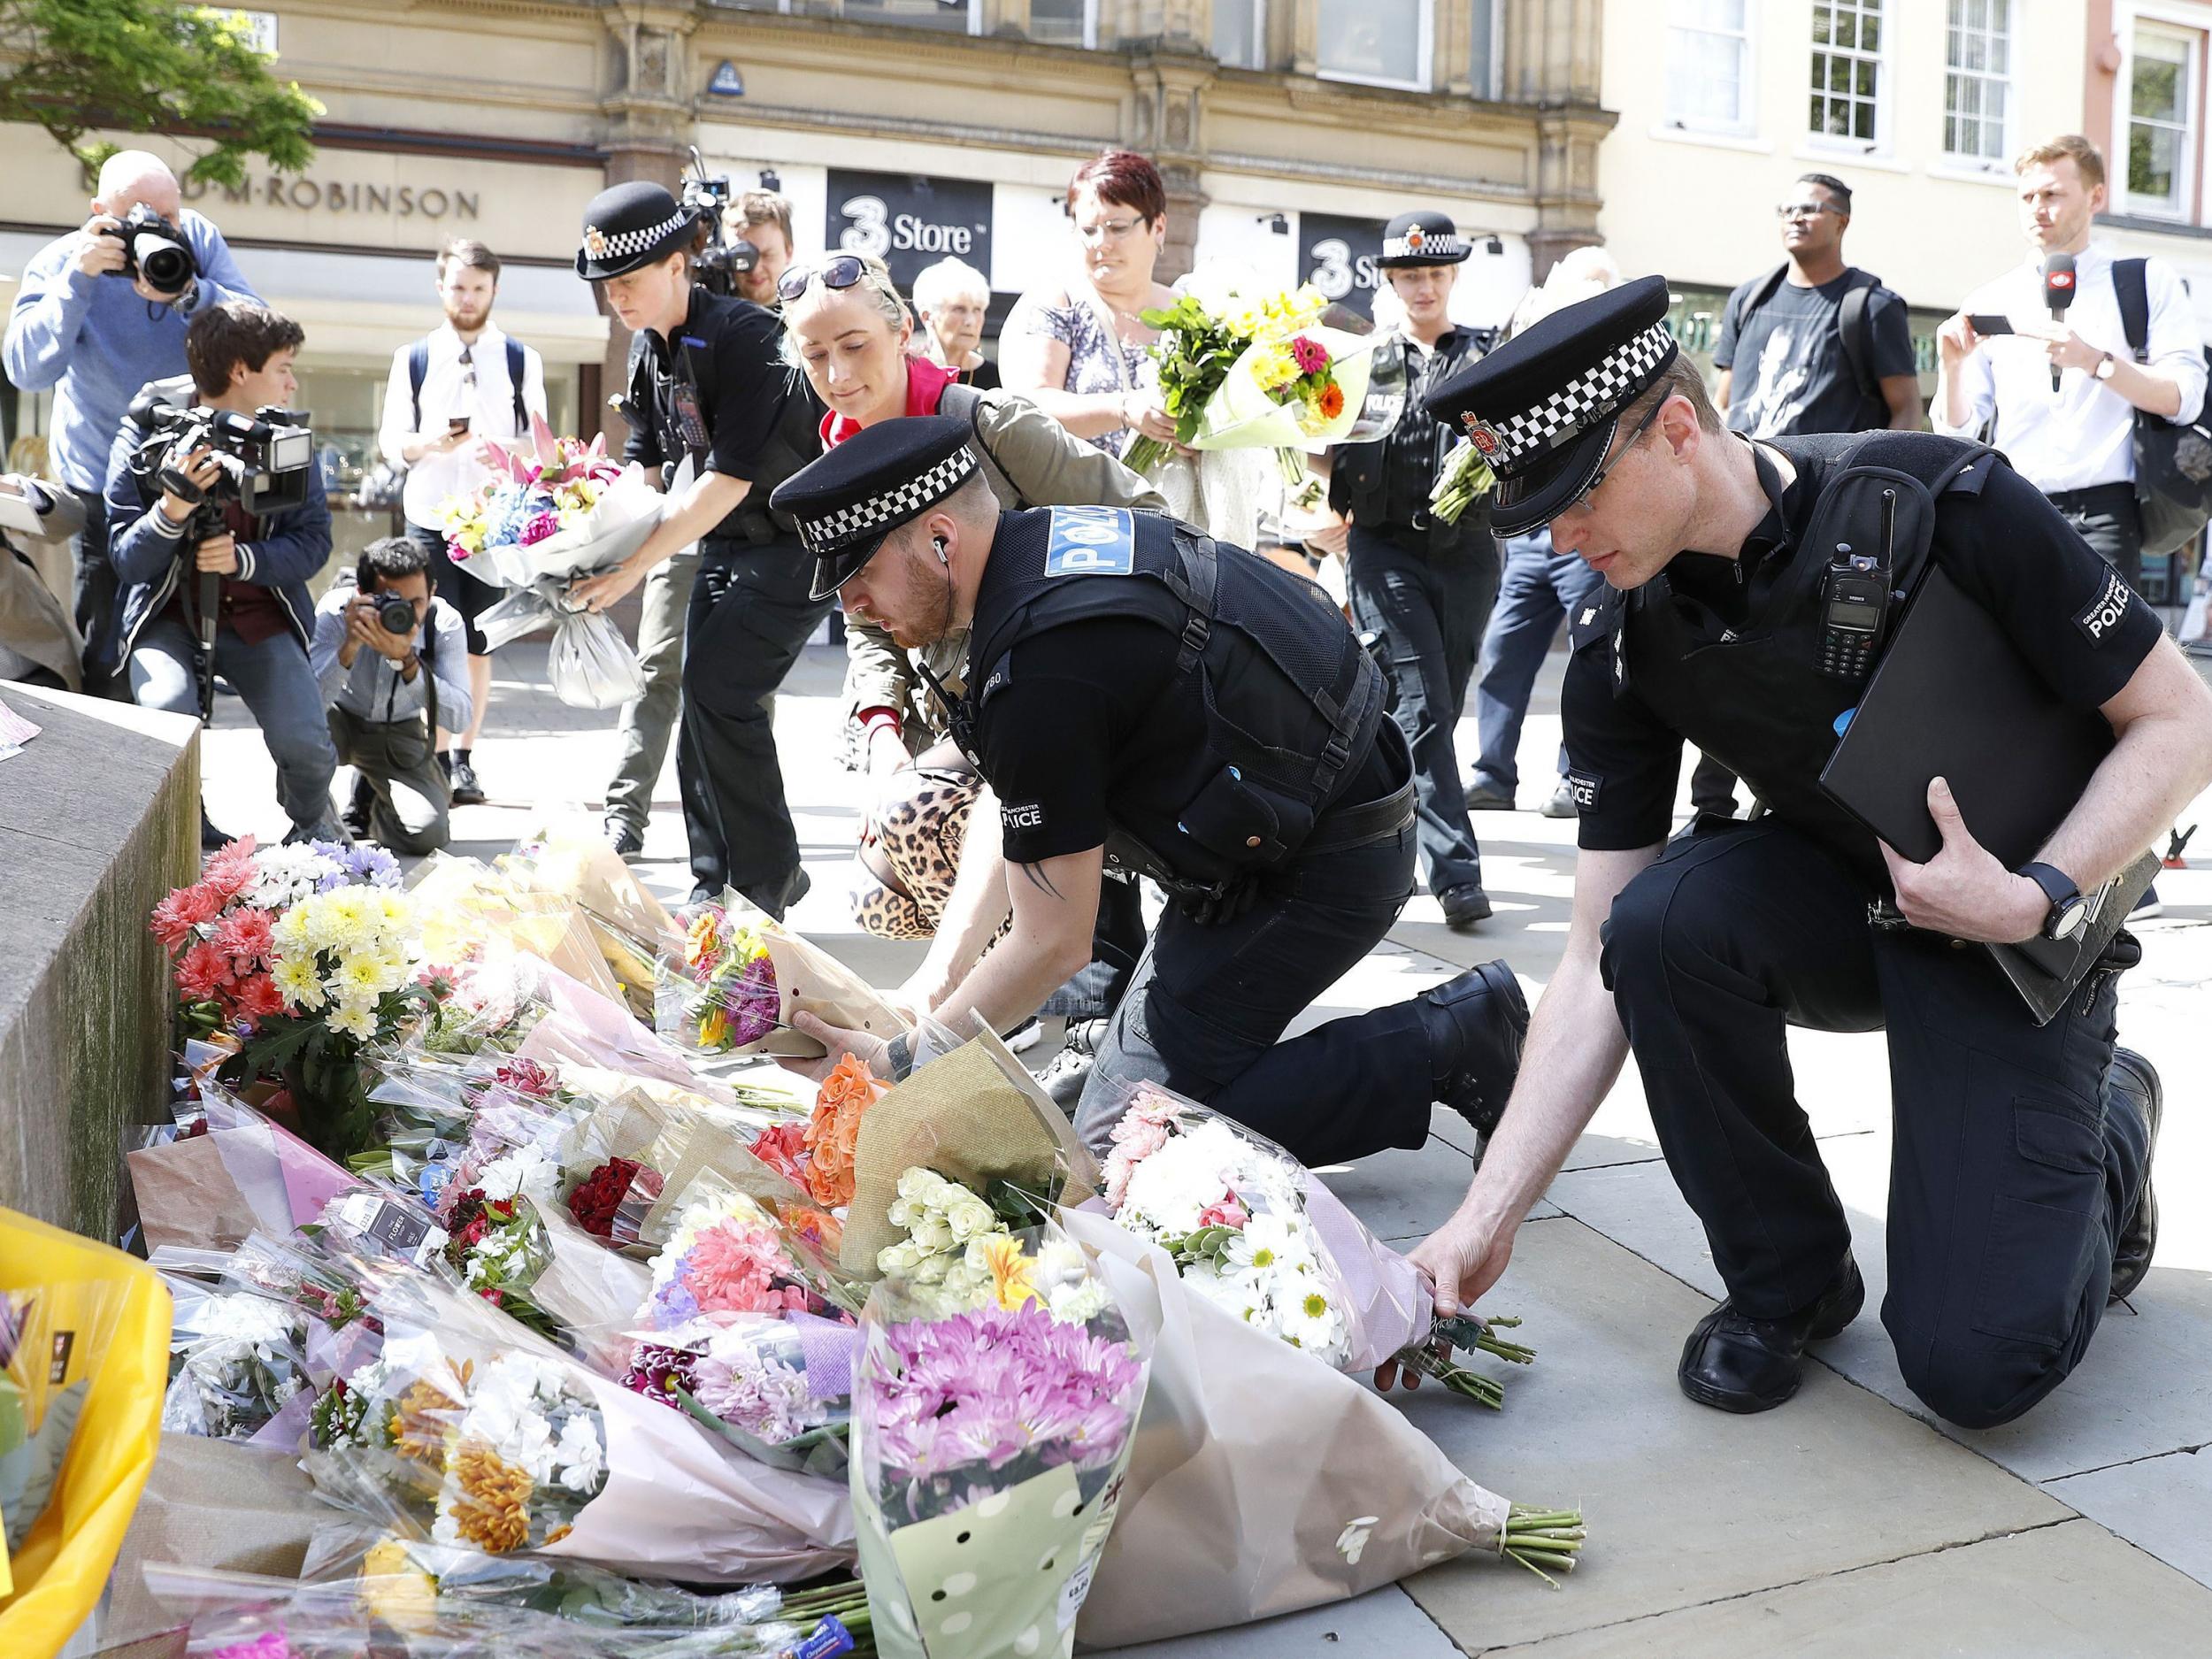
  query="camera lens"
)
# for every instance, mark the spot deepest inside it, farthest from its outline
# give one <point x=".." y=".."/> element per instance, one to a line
<point x="396" y="615"/>
<point x="167" y="265"/>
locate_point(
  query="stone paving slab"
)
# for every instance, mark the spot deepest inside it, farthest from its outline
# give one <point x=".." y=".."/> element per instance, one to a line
<point x="2159" y="1504"/>
<point x="1686" y="1505"/>
<point x="2070" y="1589"/>
<point x="1383" y="1622"/>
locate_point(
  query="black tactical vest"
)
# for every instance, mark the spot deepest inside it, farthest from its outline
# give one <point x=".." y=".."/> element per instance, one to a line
<point x="1292" y="704"/>
<point x="1385" y="484"/>
<point x="1753" y="697"/>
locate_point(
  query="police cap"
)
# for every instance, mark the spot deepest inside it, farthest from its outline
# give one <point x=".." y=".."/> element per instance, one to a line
<point x="1541" y="409"/>
<point x="1424" y="237"/>
<point x="631" y="224"/>
<point x="881" y="477"/>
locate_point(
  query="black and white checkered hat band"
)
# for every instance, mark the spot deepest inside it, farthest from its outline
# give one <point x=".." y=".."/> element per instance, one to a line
<point x="622" y="244"/>
<point x="1432" y="245"/>
<point x="864" y="520"/>
<point x="1597" y="392"/>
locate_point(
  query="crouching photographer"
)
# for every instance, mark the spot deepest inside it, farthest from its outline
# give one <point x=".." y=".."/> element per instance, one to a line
<point x="391" y="660"/>
<point x="220" y="521"/>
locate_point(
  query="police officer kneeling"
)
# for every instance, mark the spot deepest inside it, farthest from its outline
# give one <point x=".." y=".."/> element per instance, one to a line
<point x="2020" y="1191"/>
<point x="1139" y="694"/>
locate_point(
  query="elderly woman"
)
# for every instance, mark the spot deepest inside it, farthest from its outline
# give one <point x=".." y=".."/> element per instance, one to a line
<point x="954" y="298"/>
<point x="1077" y="349"/>
<point x="850" y="332"/>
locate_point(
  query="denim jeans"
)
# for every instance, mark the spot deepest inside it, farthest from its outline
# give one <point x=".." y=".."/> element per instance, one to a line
<point x="279" y="689"/>
<point x="1208" y="1003"/>
<point x="1538" y="590"/>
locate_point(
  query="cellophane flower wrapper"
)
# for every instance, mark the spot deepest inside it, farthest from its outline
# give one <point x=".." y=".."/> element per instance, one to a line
<point x="732" y="984"/>
<point x="567" y="855"/>
<point x="989" y="1446"/>
<point x="243" y="1175"/>
<point x="1260" y="1235"/>
<point x="470" y="1428"/>
<point x="1243" y="414"/>
<point x="52" y="1339"/>
<point x="238" y="1360"/>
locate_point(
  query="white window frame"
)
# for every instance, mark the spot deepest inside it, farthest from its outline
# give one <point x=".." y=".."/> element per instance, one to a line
<point x="1883" y="60"/>
<point x="975" y="19"/>
<point x="1090" y="24"/>
<point x="1494" y="88"/>
<point x="1255" y="45"/>
<point x="2001" y="162"/>
<point x="1747" y="122"/>
<point x="1424" y="75"/>
<point x="2191" y="26"/>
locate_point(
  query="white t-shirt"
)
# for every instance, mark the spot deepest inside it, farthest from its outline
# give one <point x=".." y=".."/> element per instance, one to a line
<point x="479" y="388"/>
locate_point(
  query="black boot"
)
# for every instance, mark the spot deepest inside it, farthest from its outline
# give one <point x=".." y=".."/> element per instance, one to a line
<point x="1735" y="1363"/>
<point x="2135" y="1077"/>
<point x="1476" y="1024"/>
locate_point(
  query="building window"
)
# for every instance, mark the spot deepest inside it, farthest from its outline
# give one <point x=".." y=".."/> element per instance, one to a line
<point x="1977" y="80"/>
<point x="2161" y="119"/>
<point x="1063" y="22"/>
<point x="1846" y="90"/>
<point x="958" y="17"/>
<point x="1383" y="42"/>
<point x="1709" y="65"/>
<point x="1485" y="65"/>
<point x="1241" y="33"/>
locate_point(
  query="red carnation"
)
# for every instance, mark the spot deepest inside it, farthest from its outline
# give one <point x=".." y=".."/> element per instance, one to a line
<point x="203" y="971"/>
<point x="780" y="1146"/>
<point x="599" y="1194"/>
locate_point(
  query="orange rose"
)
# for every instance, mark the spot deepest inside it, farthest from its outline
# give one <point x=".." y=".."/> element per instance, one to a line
<point x="833" y="1131"/>
<point x="1332" y="401"/>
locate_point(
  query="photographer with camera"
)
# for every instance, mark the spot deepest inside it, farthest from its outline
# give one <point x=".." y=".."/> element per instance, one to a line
<point x="100" y="312"/>
<point x="762" y="220"/>
<point x="220" y="521"/>
<point x="386" y="654"/>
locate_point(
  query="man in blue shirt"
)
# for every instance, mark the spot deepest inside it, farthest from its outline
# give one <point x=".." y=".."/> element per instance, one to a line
<point x="83" y="330"/>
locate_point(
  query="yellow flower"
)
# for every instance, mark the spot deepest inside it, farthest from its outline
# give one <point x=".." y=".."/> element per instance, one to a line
<point x="714" y="1029"/>
<point x="362" y="977"/>
<point x="1012" y="1282"/>
<point x="394" y="1589"/>
<point x="297" y="982"/>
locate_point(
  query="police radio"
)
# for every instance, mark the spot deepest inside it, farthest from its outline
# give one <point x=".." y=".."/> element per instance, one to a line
<point x="1854" y="602"/>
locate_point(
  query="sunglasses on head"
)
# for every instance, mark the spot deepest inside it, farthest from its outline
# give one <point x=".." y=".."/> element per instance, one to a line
<point x="841" y="272"/>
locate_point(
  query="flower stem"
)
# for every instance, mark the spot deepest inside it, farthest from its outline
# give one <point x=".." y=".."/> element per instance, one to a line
<point x="1143" y="455"/>
<point x="1538" y="1539"/>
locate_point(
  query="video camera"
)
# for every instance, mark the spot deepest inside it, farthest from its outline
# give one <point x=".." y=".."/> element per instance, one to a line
<point x="722" y="258"/>
<point x="155" y="249"/>
<point x="264" y="459"/>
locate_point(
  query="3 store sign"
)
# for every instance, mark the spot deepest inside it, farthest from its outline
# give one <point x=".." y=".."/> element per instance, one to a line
<point x="912" y="221"/>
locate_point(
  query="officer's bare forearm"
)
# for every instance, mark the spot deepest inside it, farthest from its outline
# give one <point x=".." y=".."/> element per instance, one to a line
<point x="1056" y="911"/>
<point x="2162" y="761"/>
<point x="711" y="498"/>
<point x="977" y="908"/>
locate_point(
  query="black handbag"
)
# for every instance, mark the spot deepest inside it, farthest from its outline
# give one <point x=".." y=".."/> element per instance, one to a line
<point x="2173" y="459"/>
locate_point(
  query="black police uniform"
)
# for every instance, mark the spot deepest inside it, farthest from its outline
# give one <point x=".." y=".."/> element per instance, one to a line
<point x="718" y="390"/>
<point x="1211" y="721"/>
<point x="1425" y="587"/>
<point x="2017" y="1161"/>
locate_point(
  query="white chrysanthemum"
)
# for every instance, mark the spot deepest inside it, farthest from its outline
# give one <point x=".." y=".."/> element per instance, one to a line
<point x="525" y="1172"/>
<point x="1078" y="1301"/>
<point x="1310" y="1317"/>
<point x="352" y="1019"/>
<point x="581" y="1461"/>
<point x="298" y="983"/>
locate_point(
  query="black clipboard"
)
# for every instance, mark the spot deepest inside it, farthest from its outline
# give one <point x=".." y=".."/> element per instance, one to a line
<point x="1951" y="697"/>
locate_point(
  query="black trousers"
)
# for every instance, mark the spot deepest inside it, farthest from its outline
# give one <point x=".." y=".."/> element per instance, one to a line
<point x="1430" y="609"/>
<point x="2110" y="520"/>
<point x="2013" y="1169"/>
<point x="95" y="588"/>
<point x="749" y="617"/>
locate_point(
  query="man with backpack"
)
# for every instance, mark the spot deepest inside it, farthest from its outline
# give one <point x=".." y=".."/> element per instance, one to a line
<point x="449" y="393"/>
<point x="1812" y="345"/>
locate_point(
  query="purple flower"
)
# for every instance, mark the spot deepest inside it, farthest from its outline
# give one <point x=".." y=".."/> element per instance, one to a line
<point x="537" y="529"/>
<point x="656" y="1372"/>
<point x="673" y="1304"/>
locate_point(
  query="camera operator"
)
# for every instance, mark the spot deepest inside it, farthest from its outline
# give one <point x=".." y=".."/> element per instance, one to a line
<point x="763" y="218"/>
<point x="100" y="312"/>
<point x="390" y="660"/>
<point x="240" y="355"/>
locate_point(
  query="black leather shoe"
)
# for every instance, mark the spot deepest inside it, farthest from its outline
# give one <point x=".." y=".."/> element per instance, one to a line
<point x="1480" y="1021"/>
<point x="466" y="790"/>
<point x="626" y="840"/>
<point x="1463" y="906"/>
<point x="1482" y="798"/>
<point x="1734" y="1363"/>
<point x="211" y="839"/>
<point x="2133" y="1075"/>
<point x="359" y="803"/>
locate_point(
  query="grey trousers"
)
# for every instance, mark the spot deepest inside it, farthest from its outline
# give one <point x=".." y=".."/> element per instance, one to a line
<point x="648" y="720"/>
<point x="408" y="793"/>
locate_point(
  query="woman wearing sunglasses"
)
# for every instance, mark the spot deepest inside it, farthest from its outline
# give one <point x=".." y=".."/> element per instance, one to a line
<point x="850" y="333"/>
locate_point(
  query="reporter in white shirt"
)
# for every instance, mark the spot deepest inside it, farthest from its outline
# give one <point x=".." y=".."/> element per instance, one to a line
<point x="2076" y="444"/>
<point x="468" y="395"/>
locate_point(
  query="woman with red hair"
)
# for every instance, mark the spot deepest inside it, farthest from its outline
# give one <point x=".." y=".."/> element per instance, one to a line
<point x="1077" y="348"/>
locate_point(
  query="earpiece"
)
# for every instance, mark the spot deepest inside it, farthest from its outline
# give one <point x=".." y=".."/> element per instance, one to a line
<point x="938" y="543"/>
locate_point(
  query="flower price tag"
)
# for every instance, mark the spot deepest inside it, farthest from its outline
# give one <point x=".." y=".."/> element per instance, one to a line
<point x="395" y="1229"/>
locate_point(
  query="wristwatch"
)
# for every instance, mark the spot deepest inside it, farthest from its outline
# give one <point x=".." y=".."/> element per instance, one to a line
<point x="2069" y="909"/>
<point x="2104" y="365"/>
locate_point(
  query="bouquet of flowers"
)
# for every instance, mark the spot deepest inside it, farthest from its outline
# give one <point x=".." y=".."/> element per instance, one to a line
<point x="817" y="1154"/>
<point x="1465" y="478"/>
<point x="236" y="1361"/>
<point x="989" y="1443"/>
<point x="1252" y="1231"/>
<point x="738" y="976"/>
<point x="562" y="509"/>
<point x="728" y="1254"/>
<point x="52" y="1339"/>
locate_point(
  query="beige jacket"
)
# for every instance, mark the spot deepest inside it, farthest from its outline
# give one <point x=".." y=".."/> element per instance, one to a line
<point x="33" y="625"/>
<point x="1032" y="461"/>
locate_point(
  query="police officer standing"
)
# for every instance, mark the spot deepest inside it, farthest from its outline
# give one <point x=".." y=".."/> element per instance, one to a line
<point x="2020" y="1188"/>
<point x="1425" y="587"/>
<point x="710" y="386"/>
<point x="1139" y="692"/>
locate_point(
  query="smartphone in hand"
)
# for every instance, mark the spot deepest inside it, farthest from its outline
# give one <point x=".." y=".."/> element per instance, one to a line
<point x="457" y="426"/>
<point x="1989" y="322"/>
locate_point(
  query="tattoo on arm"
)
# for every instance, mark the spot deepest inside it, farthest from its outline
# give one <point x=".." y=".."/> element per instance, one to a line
<point x="1042" y="882"/>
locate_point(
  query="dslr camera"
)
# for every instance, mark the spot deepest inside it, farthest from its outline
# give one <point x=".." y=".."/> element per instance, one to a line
<point x="394" y="614"/>
<point x="264" y="459"/>
<point x="155" y="249"/>
<point x="721" y="259"/>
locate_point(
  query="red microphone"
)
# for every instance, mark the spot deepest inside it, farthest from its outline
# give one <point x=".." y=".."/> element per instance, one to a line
<point x="2058" y="294"/>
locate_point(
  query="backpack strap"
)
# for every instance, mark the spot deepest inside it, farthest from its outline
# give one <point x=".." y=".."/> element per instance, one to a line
<point x="1854" y="327"/>
<point x="516" y="366"/>
<point x="417" y="371"/>
<point x="1750" y="299"/>
<point x="2130" y="286"/>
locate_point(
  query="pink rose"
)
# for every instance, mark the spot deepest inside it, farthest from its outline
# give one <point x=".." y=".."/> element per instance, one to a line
<point x="1227" y="1213"/>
